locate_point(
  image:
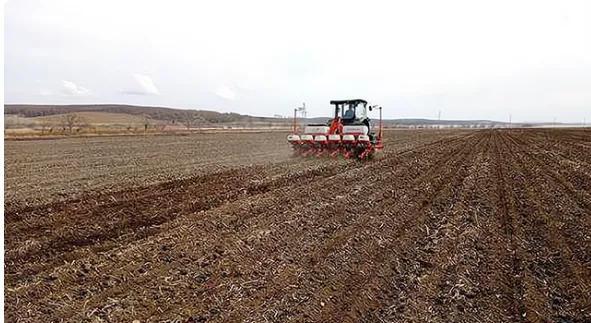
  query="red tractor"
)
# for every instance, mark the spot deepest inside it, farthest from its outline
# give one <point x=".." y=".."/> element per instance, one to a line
<point x="348" y="133"/>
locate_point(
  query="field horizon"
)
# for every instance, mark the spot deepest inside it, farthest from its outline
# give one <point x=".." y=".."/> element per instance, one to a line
<point x="29" y="121"/>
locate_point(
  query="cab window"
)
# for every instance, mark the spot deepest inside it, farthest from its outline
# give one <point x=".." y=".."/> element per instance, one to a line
<point x="349" y="111"/>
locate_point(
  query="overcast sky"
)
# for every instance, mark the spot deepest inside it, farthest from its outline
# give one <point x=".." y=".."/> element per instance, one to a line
<point x="469" y="59"/>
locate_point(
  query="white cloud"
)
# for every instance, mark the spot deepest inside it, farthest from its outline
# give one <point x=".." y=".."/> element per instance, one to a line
<point x="225" y="92"/>
<point x="146" y="84"/>
<point x="71" y="88"/>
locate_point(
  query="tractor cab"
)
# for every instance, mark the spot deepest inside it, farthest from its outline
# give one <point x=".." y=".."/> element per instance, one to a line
<point x="351" y="112"/>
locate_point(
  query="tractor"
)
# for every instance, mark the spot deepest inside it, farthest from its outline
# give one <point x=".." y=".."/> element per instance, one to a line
<point x="348" y="134"/>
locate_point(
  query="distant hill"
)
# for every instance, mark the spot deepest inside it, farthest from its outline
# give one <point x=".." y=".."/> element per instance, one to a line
<point x="205" y="118"/>
<point x="424" y="122"/>
<point x="154" y="113"/>
<point x="414" y="122"/>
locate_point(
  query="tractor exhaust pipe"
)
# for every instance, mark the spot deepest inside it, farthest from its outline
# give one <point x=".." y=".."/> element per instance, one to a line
<point x="295" y="116"/>
<point x="380" y="132"/>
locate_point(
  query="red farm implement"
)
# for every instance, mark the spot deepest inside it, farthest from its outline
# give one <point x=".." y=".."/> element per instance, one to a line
<point x="348" y="133"/>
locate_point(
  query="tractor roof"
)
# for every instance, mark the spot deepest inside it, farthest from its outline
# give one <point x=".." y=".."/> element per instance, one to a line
<point x="348" y="101"/>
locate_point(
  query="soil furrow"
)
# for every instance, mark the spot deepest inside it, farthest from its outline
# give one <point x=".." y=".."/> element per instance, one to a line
<point x="542" y="290"/>
<point x="448" y="226"/>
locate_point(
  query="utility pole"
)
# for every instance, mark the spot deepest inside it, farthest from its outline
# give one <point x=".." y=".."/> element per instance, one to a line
<point x="302" y="110"/>
<point x="295" y="117"/>
<point x="509" y="120"/>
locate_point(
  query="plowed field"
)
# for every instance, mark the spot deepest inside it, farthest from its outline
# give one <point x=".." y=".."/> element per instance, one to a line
<point x="472" y="226"/>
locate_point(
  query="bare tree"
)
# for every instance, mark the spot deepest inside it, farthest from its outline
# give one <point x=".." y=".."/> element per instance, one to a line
<point x="11" y="122"/>
<point x="71" y="120"/>
<point x="45" y="125"/>
<point x="190" y="118"/>
<point x="147" y="123"/>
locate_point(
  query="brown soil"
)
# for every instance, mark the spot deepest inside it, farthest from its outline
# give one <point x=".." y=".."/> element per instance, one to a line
<point x="456" y="226"/>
